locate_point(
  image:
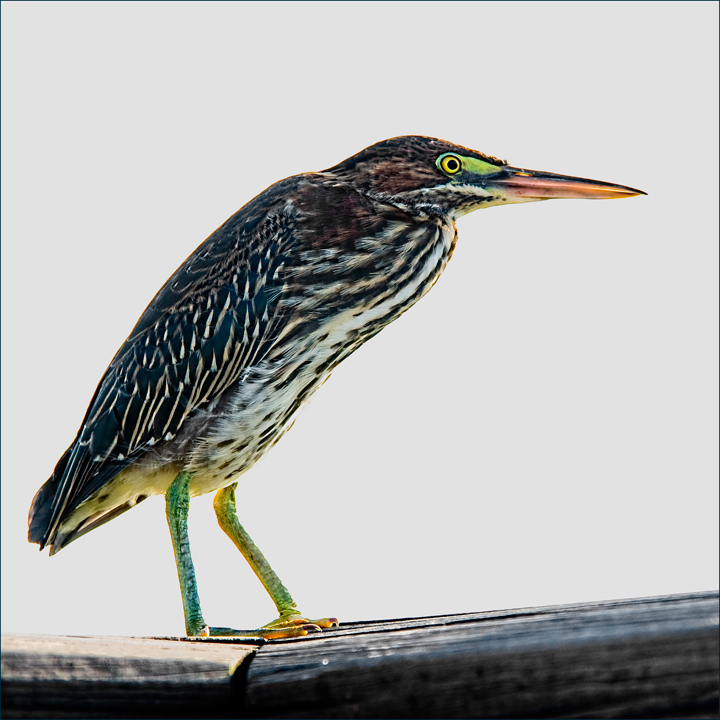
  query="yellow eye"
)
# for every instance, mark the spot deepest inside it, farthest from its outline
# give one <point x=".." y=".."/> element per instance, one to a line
<point x="451" y="164"/>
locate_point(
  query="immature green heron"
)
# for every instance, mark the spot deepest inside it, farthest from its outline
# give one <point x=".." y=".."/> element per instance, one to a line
<point x="253" y="322"/>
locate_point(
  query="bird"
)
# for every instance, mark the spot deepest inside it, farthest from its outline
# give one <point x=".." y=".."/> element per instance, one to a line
<point x="245" y="331"/>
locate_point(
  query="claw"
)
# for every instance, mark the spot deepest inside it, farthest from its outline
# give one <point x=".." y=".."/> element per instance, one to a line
<point x="327" y="622"/>
<point x="312" y="628"/>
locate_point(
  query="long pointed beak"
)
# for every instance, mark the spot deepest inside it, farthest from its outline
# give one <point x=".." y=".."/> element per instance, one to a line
<point x="533" y="185"/>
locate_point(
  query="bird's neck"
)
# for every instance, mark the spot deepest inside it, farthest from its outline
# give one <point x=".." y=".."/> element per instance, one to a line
<point x="345" y="294"/>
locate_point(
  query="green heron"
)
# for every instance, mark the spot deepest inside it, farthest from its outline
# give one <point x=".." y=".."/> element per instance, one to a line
<point x="252" y="323"/>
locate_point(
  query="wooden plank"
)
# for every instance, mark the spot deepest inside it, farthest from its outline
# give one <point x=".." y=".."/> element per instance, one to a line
<point x="635" y="658"/>
<point x="639" y="658"/>
<point x="62" y="677"/>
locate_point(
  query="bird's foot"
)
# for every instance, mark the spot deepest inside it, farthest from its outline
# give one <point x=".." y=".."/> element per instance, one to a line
<point x="292" y="622"/>
<point x="286" y="626"/>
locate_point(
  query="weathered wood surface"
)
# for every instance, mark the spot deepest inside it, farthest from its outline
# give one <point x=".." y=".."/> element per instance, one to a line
<point x="63" y="677"/>
<point x="638" y="658"/>
<point x="649" y="658"/>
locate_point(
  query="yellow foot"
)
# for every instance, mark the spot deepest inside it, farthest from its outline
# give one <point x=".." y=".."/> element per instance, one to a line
<point x="286" y="626"/>
<point x="295" y="621"/>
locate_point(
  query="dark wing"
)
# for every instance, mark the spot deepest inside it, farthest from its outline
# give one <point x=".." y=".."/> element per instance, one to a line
<point x="216" y="316"/>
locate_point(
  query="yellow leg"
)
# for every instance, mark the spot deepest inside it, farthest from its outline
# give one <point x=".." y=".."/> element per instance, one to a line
<point x="290" y="622"/>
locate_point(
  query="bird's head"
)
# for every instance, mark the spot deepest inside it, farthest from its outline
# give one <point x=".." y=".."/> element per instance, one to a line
<point x="432" y="176"/>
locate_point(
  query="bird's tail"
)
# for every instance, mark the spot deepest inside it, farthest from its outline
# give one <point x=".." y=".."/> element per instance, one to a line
<point x="41" y="510"/>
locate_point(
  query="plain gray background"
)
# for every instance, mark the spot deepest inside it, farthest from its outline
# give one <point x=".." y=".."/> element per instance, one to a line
<point x="541" y="428"/>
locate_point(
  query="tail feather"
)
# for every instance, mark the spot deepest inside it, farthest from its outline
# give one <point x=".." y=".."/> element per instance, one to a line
<point x="60" y="539"/>
<point x="73" y="481"/>
<point x="43" y="504"/>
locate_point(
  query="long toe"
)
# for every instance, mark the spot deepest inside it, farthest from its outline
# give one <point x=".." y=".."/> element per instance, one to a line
<point x="326" y="622"/>
<point x="263" y="633"/>
<point x="286" y="626"/>
<point x="297" y="621"/>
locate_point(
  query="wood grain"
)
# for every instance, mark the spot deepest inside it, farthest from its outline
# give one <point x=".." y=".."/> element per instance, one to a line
<point x="62" y="677"/>
<point x="638" y="658"/>
<point x="644" y="658"/>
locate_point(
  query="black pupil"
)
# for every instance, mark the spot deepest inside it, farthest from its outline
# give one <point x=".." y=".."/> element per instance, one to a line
<point x="452" y="164"/>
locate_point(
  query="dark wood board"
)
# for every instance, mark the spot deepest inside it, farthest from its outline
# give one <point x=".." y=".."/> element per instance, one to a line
<point x="640" y="658"/>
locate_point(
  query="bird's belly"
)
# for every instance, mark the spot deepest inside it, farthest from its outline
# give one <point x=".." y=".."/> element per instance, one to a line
<point x="258" y="412"/>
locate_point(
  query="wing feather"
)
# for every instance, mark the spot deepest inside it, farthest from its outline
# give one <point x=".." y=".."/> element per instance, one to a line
<point x="212" y="319"/>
